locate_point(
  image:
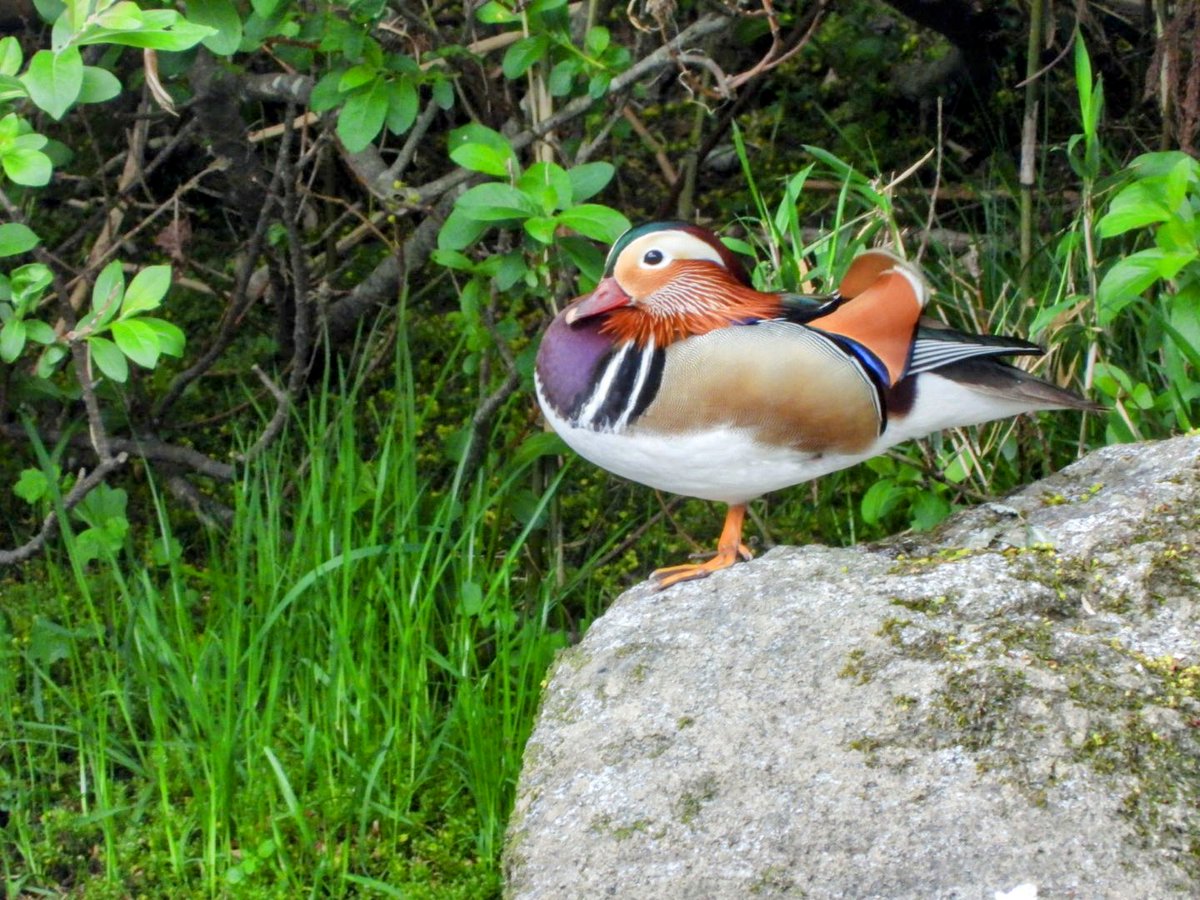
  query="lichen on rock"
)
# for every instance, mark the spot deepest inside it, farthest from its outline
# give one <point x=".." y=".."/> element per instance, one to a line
<point x="1012" y="699"/>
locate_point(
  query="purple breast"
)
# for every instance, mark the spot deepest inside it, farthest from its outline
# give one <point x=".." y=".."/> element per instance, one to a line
<point x="568" y="362"/>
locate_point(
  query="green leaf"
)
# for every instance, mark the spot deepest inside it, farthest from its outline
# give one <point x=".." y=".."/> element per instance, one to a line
<point x="146" y="291"/>
<point x="443" y="93"/>
<point x="600" y="223"/>
<point x="11" y="56"/>
<point x="162" y="30"/>
<point x="29" y="140"/>
<point x="589" y="179"/>
<point x="222" y="16"/>
<point x="460" y="231"/>
<point x="39" y="332"/>
<point x="49" y="360"/>
<point x="326" y="93"/>
<point x="481" y="158"/>
<point x="929" y="510"/>
<point x="108" y="359"/>
<point x="31" y="168"/>
<point x="109" y="291"/>
<point x="28" y="282"/>
<point x="32" y="486"/>
<point x="493" y="13"/>
<point x="548" y="185"/>
<point x="481" y="149"/>
<point x="541" y="228"/>
<point x="1089" y="111"/>
<point x="509" y="269"/>
<point x="523" y="54"/>
<point x="138" y="341"/>
<point x="1136" y="206"/>
<point x="16" y="238"/>
<point x="122" y="16"/>
<point x="11" y="88"/>
<point x="495" y="202"/>
<point x="1160" y="164"/>
<point x="1129" y="277"/>
<point x="1178" y="234"/>
<point x="54" y="80"/>
<point x="403" y="104"/>
<point x="99" y="85"/>
<point x="596" y="40"/>
<point x="562" y="76"/>
<point x="587" y="258"/>
<point x="355" y="77"/>
<point x="598" y="85"/>
<point x="12" y="339"/>
<point x="171" y="339"/>
<point x="879" y="500"/>
<point x="266" y="8"/>
<point x="361" y="119"/>
<point x="453" y="259"/>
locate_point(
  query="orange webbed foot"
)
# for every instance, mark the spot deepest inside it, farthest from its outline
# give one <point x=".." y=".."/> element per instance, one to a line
<point x="729" y="550"/>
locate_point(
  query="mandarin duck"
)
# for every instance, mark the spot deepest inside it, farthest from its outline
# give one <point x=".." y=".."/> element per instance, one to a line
<point x="676" y="373"/>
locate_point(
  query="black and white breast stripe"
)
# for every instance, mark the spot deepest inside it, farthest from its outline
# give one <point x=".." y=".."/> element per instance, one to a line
<point x="628" y="380"/>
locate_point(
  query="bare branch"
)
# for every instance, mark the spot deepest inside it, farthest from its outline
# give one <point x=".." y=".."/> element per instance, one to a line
<point x="147" y="448"/>
<point x="283" y="402"/>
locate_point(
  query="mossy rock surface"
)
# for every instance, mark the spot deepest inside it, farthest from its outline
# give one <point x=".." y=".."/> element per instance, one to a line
<point x="1012" y="700"/>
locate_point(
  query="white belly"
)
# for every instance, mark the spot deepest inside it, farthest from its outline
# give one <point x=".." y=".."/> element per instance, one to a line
<point x="724" y="465"/>
<point x="729" y="466"/>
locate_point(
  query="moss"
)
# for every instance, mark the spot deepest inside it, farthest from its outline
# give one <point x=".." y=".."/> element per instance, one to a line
<point x="775" y="880"/>
<point x="869" y="746"/>
<point x="976" y="707"/>
<point x="920" y="640"/>
<point x="604" y="825"/>
<point x="930" y="606"/>
<point x="1161" y="768"/>
<point x="854" y="667"/>
<point x="625" y="832"/>
<point x="919" y="565"/>
<point x="692" y="801"/>
<point x="1144" y="712"/>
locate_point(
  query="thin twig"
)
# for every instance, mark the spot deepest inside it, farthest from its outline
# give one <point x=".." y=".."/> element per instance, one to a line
<point x="937" y="183"/>
<point x="274" y="427"/>
<point x="655" y="145"/>
<point x="239" y="302"/>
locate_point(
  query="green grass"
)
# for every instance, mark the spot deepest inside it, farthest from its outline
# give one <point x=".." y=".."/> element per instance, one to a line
<point x="329" y="698"/>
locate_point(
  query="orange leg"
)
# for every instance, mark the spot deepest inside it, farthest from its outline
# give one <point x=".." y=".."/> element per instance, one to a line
<point x="729" y="549"/>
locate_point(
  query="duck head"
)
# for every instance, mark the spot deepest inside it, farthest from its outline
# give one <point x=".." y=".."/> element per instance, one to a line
<point x="664" y="281"/>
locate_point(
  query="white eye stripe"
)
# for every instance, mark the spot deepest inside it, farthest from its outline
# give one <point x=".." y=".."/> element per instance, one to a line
<point x="673" y="245"/>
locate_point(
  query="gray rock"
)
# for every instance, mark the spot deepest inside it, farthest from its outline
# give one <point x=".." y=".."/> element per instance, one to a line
<point x="1010" y="702"/>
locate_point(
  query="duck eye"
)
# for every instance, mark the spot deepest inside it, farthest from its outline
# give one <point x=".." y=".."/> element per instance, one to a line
<point x="652" y="257"/>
